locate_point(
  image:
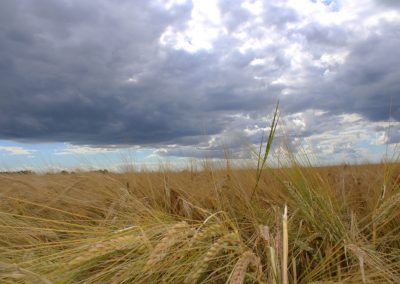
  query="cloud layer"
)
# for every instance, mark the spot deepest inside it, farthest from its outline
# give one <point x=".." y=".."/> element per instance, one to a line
<point x="187" y="75"/>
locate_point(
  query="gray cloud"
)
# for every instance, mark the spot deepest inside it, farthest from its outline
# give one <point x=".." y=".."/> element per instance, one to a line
<point x="394" y="136"/>
<point x="366" y="83"/>
<point x="390" y="134"/>
<point x="96" y="73"/>
<point x="370" y="77"/>
<point x="390" y="3"/>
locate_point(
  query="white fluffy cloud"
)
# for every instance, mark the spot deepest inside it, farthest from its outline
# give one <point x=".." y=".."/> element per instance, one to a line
<point x="14" y="150"/>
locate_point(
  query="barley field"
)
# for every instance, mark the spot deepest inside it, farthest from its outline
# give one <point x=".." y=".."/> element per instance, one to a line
<point x="205" y="224"/>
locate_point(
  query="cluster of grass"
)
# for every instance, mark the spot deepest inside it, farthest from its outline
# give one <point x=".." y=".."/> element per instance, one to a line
<point x="293" y="224"/>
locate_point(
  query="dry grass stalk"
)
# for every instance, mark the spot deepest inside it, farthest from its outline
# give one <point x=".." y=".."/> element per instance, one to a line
<point x="277" y="239"/>
<point x="354" y="230"/>
<point x="294" y="269"/>
<point x="383" y="194"/>
<point x="247" y="259"/>
<point x="361" y="257"/>
<point x="272" y="257"/>
<point x="285" y="247"/>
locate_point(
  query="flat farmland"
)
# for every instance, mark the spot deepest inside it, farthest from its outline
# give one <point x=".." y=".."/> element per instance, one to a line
<point x="215" y="225"/>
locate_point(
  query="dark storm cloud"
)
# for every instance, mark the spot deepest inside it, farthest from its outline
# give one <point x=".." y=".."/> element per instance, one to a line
<point x="65" y="66"/>
<point x="365" y="83"/>
<point x="95" y="73"/>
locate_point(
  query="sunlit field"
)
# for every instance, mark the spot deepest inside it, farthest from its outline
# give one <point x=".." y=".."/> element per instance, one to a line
<point x="294" y="224"/>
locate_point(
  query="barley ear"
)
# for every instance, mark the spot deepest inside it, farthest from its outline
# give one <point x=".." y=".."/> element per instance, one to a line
<point x="247" y="259"/>
<point x="18" y="273"/>
<point x="221" y="244"/>
<point x="209" y="232"/>
<point x="177" y="233"/>
<point x="104" y="247"/>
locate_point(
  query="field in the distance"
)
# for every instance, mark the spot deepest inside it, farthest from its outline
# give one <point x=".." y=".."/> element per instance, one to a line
<point x="342" y="225"/>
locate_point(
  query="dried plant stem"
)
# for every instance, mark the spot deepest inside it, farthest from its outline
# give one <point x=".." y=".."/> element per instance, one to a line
<point x="294" y="268"/>
<point x="285" y="248"/>
<point x="272" y="257"/>
<point x="360" y="255"/>
<point x="362" y="269"/>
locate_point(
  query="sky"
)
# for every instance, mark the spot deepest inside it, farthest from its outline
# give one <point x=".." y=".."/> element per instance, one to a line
<point x="106" y="83"/>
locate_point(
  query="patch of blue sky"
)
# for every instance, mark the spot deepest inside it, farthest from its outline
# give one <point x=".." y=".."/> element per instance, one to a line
<point x="118" y="159"/>
<point x="59" y="156"/>
<point x="374" y="152"/>
<point x="333" y="4"/>
<point x="327" y="2"/>
<point x="23" y="156"/>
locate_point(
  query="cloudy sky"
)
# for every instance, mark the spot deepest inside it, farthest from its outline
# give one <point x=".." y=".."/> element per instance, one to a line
<point x="87" y="82"/>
